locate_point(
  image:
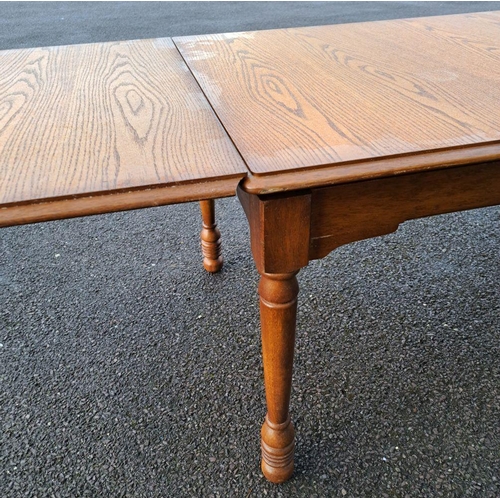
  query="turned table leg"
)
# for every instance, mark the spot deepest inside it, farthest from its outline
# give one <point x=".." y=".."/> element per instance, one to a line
<point x="210" y="238"/>
<point x="289" y="229"/>
<point x="278" y="307"/>
<point x="279" y="236"/>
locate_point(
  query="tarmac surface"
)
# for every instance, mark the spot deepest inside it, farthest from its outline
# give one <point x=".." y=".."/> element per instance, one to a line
<point x="127" y="370"/>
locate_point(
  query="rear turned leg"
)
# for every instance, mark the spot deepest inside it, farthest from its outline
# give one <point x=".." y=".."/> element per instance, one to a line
<point x="210" y="238"/>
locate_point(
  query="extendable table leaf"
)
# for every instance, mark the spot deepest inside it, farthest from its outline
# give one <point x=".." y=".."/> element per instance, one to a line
<point x="96" y="128"/>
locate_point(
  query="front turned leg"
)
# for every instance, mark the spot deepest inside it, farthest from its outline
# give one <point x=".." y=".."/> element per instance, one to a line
<point x="280" y="239"/>
<point x="278" y="308"/>
<point x="210" y="238"/>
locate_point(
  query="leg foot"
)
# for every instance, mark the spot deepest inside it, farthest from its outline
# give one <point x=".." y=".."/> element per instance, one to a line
<point x="278" y="307"/>
<point x="278" y="445"/>
<point x="210" y="238"/>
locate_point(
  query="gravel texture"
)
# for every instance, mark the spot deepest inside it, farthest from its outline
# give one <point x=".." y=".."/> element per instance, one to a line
<point x="127" y="370"/>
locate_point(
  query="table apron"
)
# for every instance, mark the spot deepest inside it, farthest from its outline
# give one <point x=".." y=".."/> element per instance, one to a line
<point x="346" y="213"/>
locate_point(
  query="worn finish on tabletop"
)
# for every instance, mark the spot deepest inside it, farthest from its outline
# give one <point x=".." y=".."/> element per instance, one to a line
<point x="90" y="120"/>
<point x="304" y="98"/>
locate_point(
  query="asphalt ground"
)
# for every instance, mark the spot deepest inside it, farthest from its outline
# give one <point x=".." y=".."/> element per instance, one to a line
<point x="127" y="370"/>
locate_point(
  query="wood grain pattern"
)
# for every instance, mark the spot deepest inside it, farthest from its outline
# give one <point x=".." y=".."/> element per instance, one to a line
<point x="113" y="117"/>
<point x="303" y="98"/>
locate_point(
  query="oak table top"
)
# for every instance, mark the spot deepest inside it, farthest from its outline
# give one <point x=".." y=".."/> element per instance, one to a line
<point x="97" y="127"/>
<point x="327" y="104"/>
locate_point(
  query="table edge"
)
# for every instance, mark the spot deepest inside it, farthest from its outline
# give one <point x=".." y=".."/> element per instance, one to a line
<point x="358" y="170"/>
<point x="116" y="201"/>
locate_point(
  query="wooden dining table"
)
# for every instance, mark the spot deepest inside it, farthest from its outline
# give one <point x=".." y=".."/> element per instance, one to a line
<point x="328" y="134"/>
